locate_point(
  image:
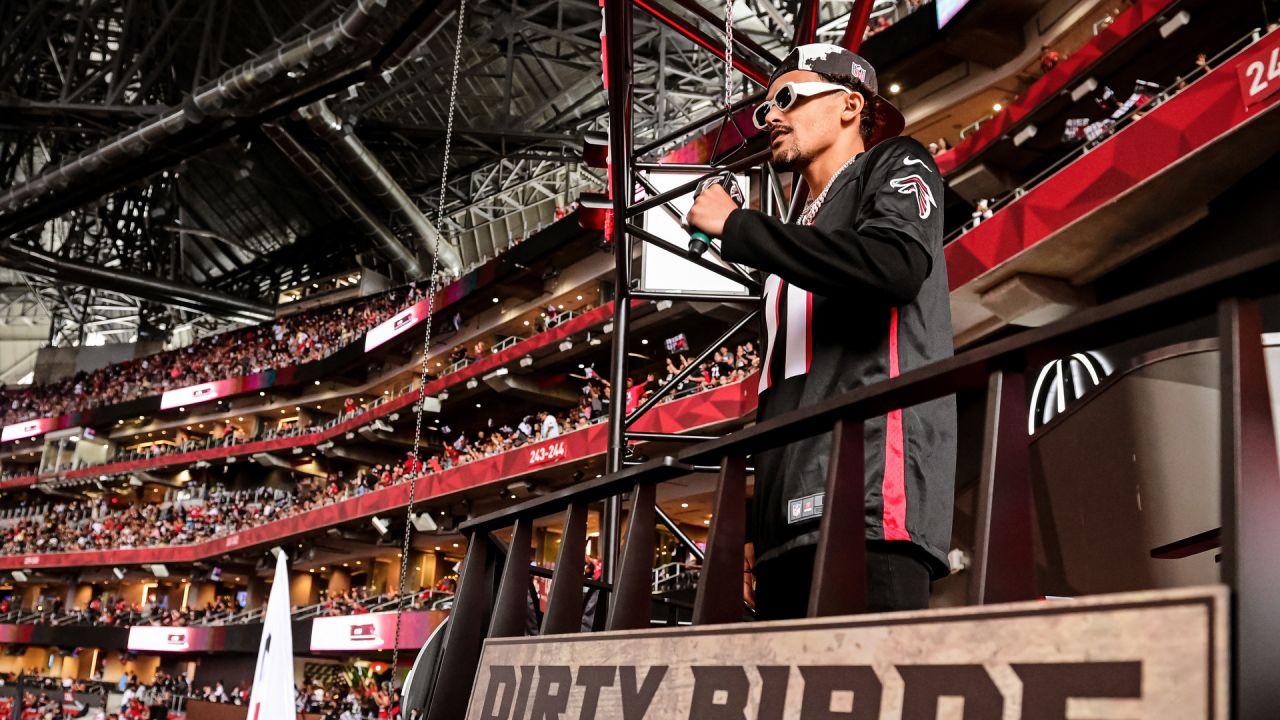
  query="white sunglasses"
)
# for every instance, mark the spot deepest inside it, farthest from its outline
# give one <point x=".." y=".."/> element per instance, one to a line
<point x="787" y="96"/>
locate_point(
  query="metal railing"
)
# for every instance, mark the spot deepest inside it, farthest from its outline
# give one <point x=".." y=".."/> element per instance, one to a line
<point x="1004" y="566"/>
<point x="674" y="576"/>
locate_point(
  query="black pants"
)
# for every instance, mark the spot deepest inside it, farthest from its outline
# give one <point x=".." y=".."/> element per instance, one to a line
<point x="897" y="579"/>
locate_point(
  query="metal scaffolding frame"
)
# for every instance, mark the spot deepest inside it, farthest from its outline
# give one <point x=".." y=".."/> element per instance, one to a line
<point x="624" y="177"/>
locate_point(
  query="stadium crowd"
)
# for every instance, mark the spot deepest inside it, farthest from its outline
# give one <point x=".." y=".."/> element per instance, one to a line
<point x="113" y="525"/>
<point x="291" y="340"/>
<point x="342" y="700"/>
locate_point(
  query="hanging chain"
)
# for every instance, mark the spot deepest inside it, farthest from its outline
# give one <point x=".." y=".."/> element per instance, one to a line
<point x="418" y="465"/>
<point x="728" y="55"/>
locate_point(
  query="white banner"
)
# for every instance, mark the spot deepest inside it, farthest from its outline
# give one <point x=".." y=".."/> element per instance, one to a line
<point x="272" y="694"/>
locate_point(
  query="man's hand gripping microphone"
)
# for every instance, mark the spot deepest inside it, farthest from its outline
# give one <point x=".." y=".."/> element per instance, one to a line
<point x="698" y="240"/>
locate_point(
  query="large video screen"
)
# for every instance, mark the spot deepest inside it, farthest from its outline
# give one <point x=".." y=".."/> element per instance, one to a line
<point x="30" y="428"/>
<point x="148" y="638"/>
<point x="395" y="326"/>
<point x="195" y="394"/>
<point x="373" y="631"/>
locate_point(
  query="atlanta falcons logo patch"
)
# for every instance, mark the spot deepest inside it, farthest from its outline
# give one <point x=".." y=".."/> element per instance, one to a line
<point x="914" y="185"/>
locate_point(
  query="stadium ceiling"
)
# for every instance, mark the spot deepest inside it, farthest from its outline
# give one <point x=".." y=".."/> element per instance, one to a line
<point x="174" y="164"/>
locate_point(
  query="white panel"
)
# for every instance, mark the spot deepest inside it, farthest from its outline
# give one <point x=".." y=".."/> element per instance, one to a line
<point x="664" y="271"/>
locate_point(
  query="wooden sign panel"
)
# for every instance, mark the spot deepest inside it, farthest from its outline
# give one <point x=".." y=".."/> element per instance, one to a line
<point x="1160" y="654"/>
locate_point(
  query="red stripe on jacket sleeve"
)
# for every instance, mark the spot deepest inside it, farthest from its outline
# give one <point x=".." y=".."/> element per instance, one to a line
<point x="893" y="487"/>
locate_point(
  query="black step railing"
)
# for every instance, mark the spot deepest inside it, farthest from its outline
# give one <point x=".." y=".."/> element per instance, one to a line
<point x="1003" y="568"/>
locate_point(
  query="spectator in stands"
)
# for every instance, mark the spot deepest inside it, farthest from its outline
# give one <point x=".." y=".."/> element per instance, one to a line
<point x="292" y="340"/>
<point x="1049" y="58"/>
<point x="981" y="212"/>
<point x="549" y="427"/>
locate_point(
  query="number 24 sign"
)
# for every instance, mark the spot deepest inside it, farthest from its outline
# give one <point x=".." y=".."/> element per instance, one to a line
<point x="1260" y="72"/>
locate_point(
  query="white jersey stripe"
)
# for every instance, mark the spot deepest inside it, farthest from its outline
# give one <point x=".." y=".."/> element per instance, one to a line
<point x="772" y="287"/>
<point x="799" y="305"/>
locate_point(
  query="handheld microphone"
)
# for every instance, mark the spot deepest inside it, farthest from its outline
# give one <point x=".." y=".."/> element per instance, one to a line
<point x="698" y="240"/>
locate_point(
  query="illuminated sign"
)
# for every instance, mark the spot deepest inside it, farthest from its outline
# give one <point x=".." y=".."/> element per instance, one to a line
<point x="1062" y="382"/>
<point x="30" y="428"/>
<point x="196" y="394"/>
<point x="373" y="631"/>
<point x="395" y="325"/>
<point x="149" y="638"/>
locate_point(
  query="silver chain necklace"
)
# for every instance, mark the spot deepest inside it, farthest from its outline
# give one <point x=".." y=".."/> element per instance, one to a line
<point x="812" y="207"/>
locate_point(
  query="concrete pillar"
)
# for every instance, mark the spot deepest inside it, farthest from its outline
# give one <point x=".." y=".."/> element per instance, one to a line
<point x="203" y="595"/>
<point x="393" y="575"/>
<point x="168" y="595"/>
<point x="545" y="546"/>
<point x="302" y="589"/>
<point x="382" y="576"/>
<point x="257" y="592"/>
<point x="339" y="581"/>
<point x="135" y="593"/>
<point x="79" y="595"/>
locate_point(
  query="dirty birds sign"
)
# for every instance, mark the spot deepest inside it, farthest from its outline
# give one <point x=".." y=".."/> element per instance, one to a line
<point x="1132" y="656"/>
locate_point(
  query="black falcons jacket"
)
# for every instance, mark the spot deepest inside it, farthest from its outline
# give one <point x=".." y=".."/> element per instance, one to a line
<point x="859" y="296"/>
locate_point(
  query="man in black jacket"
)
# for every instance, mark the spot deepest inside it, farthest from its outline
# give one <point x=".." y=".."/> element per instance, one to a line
<point x="855" y="292"/>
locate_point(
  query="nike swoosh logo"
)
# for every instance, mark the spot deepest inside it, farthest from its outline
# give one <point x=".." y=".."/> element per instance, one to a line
<point x="908" y="160"/>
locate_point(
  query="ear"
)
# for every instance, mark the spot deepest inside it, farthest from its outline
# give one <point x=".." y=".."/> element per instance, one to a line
<point x="853" y="104"/>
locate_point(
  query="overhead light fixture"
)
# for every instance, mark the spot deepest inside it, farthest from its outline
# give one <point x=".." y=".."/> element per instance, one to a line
<point x="526" y="361"/>
<point x="566" y="346"/>
<point x="1025" y="134"/>
<point x="997" y="107"/>
<point x="1175" y="23"/>
<point x="1083" y="89"/>
<point x="380" y="525"/>
<point x="422" y="522"/>
<point x="472" y="384"/>
<point x="662" y="305"/>
<point x="118" y="572"/>
<point x="894" y="88"/>
<point x="495" y="300"/>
